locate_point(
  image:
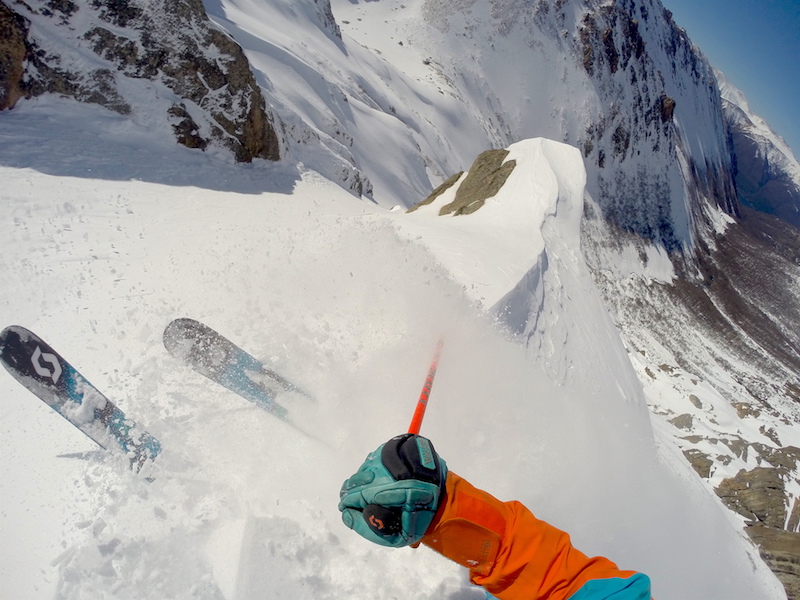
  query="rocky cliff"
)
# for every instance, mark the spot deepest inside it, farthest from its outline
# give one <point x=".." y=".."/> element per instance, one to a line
<point x="160" y="61"/>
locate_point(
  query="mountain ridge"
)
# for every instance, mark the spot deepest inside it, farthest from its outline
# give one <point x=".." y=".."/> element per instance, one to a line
<point x="767" y="172"/>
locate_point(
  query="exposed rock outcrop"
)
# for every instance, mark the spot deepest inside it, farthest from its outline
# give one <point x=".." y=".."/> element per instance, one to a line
<point x="441" y="189"/>
<point x="13" y="52"/>
<point x="780" y="549"/>
<point x="484" y="179"/>
<point x="759" y="496"/>
<point x="640" y="63"/>
<point x="139" y="47"/>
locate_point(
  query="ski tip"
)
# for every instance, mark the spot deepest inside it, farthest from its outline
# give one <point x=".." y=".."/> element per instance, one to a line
<point x="13" y="341"/>
<point x="16" y="330"/>
<point x="9" y="329"/>
<point x="184" y="330"/>
<point x="176" y="334"/>
<point x="183" y="323"/>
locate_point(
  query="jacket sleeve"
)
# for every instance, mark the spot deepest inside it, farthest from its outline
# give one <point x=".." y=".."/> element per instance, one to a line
<point x="516" y="556"/>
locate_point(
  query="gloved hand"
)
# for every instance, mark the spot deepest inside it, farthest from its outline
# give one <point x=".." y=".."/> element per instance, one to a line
<point x="393" y="497"/>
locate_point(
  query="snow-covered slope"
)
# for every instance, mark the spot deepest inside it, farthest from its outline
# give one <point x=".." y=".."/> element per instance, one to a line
<point x="111" y="231"/>
<point x="347" y="299"/>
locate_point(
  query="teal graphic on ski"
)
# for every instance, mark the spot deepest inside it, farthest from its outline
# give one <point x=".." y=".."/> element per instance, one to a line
<point x="225" y="363"/>
<point x="43" y="371"/>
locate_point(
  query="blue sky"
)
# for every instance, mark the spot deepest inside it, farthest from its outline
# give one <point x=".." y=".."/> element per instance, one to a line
<point x="756" y="43"/>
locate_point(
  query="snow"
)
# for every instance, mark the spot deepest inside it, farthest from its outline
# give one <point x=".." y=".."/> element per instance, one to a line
<point x="347" y="299"/>
<point x="111" y="230"/>
<point x="507" y="225"/>
<point x="759" y="127"/>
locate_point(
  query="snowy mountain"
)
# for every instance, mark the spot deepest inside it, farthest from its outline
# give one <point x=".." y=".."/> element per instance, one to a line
<point x="598" y="278"/>
<point x="768" y="174"/>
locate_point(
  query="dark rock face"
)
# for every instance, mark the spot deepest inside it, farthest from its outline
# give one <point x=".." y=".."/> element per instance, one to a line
<point x="781" y="551"/>
<point x="759" y="496"/>
<point x="700" y="462"/>
<point x="651" y="86"/>
<point x="46" y="72"/>
<point x="485" y="178"/>
<point x="641" y="90"/>
<point x="629" y="70"/>
<point x="13" y="52"/>
<point x="170" y="43"/>
<point x="326" y="18"/>
<point x="441" y="189"/>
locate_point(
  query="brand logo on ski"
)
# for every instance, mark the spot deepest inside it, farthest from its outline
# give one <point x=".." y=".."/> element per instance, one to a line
<point x="43" y="371"/>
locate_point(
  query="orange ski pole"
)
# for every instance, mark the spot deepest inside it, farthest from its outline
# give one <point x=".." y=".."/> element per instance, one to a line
<point x="422" y="403"/>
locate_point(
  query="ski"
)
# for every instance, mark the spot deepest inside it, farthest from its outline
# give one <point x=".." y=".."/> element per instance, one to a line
<point x="44" y="372"/>
<point x="225" y="363"/>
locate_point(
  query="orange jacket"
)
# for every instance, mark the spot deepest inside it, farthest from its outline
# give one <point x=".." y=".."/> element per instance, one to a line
<point x="515" y="556"/>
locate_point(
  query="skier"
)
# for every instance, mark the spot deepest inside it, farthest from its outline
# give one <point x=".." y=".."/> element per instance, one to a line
<point x="404" y="495"/>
